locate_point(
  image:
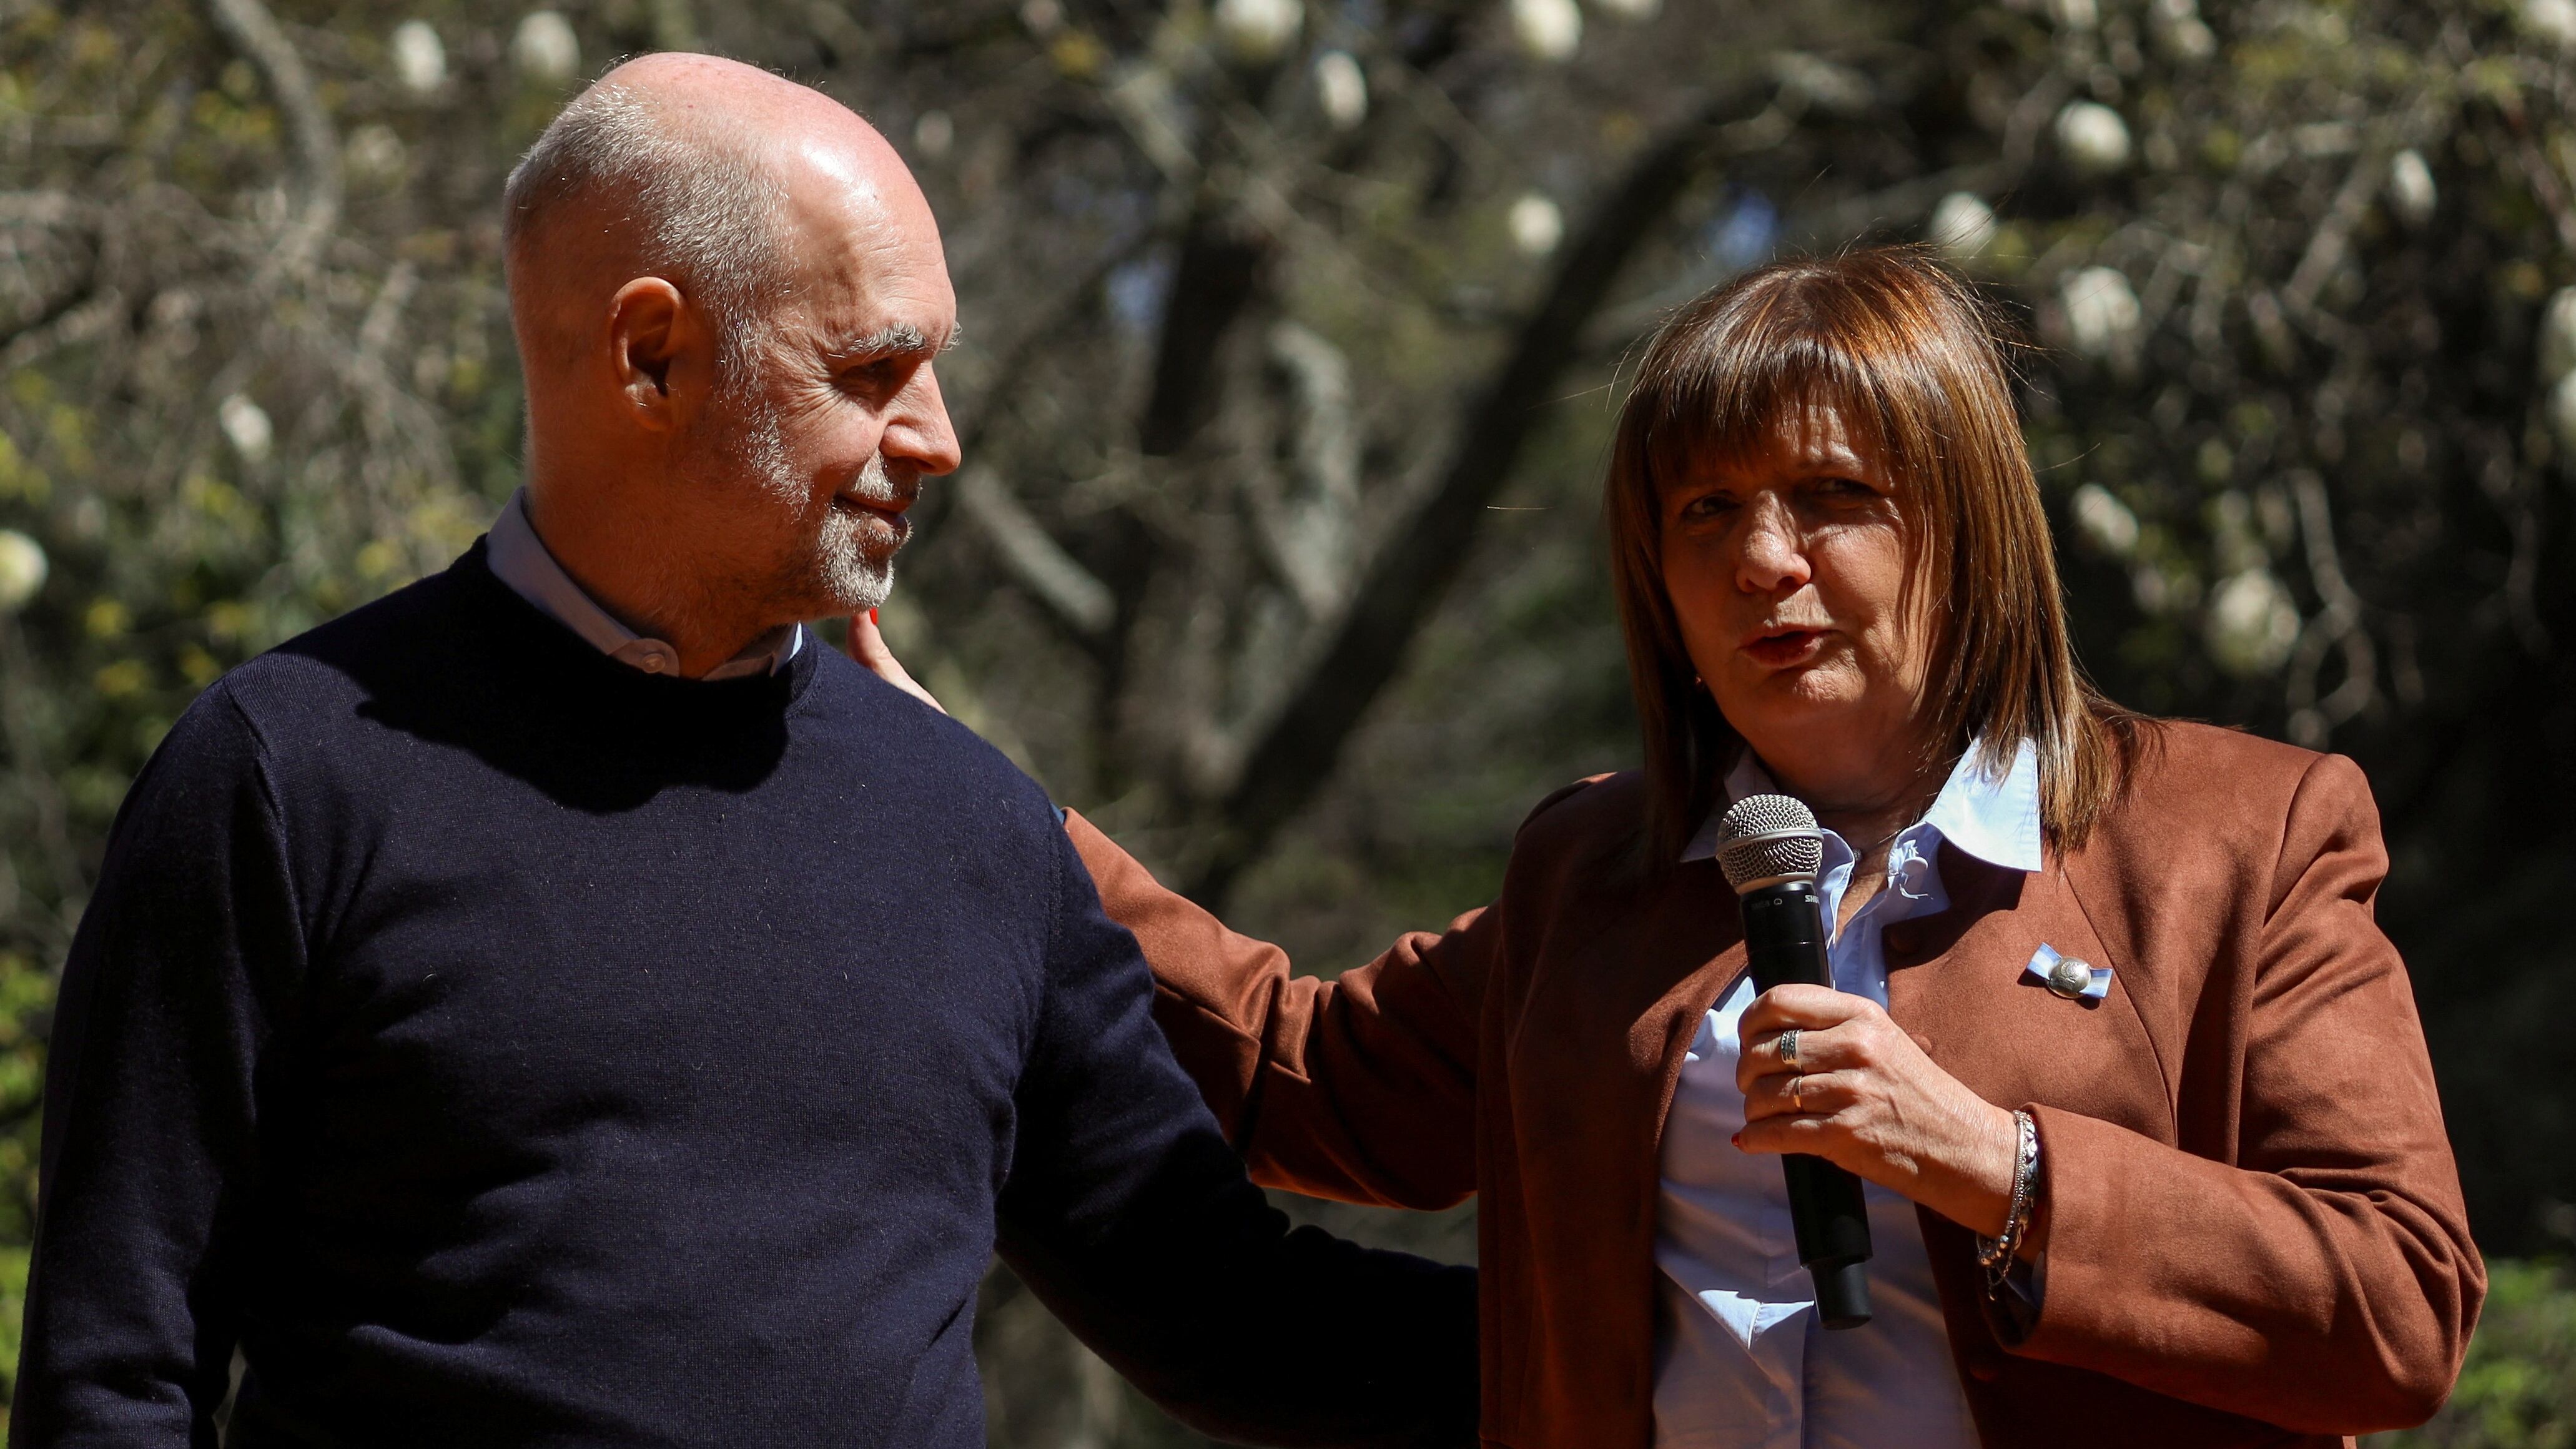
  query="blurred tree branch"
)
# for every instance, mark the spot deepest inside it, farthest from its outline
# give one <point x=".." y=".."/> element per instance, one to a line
<point x="249" y="26"/>
<point x="1412" y="571"/>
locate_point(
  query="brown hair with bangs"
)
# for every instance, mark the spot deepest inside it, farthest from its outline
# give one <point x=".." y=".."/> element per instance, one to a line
<point x="1916" y="363"/>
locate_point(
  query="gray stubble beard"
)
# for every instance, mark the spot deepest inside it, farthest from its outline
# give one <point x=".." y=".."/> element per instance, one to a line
<point x="840" y="568"/>
<point x="837" y="570"/>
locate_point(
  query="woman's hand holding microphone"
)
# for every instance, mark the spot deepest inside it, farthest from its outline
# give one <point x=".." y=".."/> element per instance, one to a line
<point x="1862" y="1095"/>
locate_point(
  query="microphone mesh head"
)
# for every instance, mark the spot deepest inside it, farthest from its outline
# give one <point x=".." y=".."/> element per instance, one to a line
<point x="1766" y="838"/>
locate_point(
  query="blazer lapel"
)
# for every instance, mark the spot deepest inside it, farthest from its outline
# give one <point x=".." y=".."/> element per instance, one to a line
<point x="1959" y="986"/>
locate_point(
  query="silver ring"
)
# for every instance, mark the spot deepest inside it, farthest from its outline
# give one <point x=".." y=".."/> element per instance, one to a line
<point x="1789" y="1050"/>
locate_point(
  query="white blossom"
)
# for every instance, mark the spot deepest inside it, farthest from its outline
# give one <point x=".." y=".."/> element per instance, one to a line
<point x="1837" y="90"/>
<point x="2551" y="20"/>
<point x="1536" y="224"/>
<point x="246" y="425"/>
<point x="2558" y="336"/>
<point x="2074" y="14"/>
<point x="1549" y="30"/>
<point x="22" y="570"/>
<point x="374" y="152"/>
<point x="2169" y="588"/>
<point x="1962" y="226"/>
<point x="1629" y="9"/>
<point x="420" y="62"/>
<point x="1341" y="88"/>
<point x="2236" y="533"/>
<point x="933" y="134"/>
<point x="2562" y="412"/>
<point x="2191" y="39"/>
<point x="2410" y="187"/>
<point x="1257" y="32"/>
<point x="2147" y="585"/>
<point x="2094" y="138"/>
<point x="2181" y="31"/>
<point x="545" y="49"/>
<point x="2102" y="312"/>
<point x="2252" y="624"/>
<point x="2105" y="521"/>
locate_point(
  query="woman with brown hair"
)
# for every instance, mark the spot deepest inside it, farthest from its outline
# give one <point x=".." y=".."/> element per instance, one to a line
<point x="2153" y="1149"/>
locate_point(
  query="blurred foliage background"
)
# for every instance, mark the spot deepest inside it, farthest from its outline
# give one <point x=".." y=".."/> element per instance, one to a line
<point x="1293" y="334"/>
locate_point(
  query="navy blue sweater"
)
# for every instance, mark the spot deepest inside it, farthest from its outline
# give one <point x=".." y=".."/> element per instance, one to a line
<point x="504" y="1046"/>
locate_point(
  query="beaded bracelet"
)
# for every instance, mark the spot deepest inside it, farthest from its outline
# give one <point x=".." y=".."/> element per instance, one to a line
<point x="1996" y="1254"/>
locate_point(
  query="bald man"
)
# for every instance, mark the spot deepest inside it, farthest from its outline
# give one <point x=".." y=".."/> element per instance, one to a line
<point x="561" y="1004"/>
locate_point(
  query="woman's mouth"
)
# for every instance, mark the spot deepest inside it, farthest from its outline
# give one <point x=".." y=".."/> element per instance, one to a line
<point x="1783" y="648"/>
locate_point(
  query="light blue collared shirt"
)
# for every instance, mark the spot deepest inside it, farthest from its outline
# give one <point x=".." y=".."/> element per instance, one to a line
<point x="519" y="558"/>
<point x="1740" y="1359"/>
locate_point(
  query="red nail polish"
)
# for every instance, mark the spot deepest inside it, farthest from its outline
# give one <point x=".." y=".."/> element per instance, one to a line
<point x="872" y="616"/>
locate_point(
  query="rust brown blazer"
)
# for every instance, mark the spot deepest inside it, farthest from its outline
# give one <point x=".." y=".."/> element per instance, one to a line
<point x="2255" y="1233"/>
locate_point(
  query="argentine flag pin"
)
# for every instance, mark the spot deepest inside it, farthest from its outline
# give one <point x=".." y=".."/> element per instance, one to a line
<point x="2069" y="976"/>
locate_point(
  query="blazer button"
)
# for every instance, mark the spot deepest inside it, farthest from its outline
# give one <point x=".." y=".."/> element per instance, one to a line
<point x="1984" y="1369"/>
<point x="1901" y="938"/>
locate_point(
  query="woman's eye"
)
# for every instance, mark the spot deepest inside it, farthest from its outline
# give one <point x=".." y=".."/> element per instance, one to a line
<point x="1707" y="505"/>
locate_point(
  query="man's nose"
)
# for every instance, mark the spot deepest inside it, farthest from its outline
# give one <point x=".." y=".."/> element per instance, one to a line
<point x="1774" y="550"/>
<point x="919" y="432"/>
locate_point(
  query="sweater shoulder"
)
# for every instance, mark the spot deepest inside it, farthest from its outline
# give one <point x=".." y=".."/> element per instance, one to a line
<point x="210" y="750"/>
<point x="318" y="672"/>
<point x="912" y="736"/>
<point x="296" y="692"/>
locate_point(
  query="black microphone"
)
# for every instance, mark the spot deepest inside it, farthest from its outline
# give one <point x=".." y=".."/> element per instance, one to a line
<point x="1770" y="849"/>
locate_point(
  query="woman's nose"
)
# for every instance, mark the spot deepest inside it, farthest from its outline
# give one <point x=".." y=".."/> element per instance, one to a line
<point x="1774" y="556"/>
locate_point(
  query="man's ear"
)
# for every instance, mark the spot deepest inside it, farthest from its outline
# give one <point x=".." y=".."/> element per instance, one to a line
<point x="660" y="352"/>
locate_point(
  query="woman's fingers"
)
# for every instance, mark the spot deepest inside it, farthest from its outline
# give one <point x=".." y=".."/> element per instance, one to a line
<point x="1820" y="1049"/>
<point x="868" y="646"/>
<point x="1817" y="1094"/>
<point x="1788" y="1133"/>
<point x="1800" y="1006"/>
<point x="1846" y="1042"/>
<point x="1868" y="1098"/>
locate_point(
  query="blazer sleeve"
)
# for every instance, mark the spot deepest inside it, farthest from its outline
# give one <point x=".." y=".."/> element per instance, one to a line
<point x="1362" y="1088"/>
<point x="1128" y="1215"/>
<point x="2323" y="1280"/>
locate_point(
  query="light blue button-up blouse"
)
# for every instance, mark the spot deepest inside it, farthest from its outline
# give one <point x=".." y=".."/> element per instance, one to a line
<point x="1740" y="1359"/>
